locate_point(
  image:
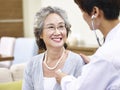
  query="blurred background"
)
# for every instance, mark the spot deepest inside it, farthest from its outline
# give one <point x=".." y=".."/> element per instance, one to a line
<point x="17" y="18"/>
<point x="17" y="42"/>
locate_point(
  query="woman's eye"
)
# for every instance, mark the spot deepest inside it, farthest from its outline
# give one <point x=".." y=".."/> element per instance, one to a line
<point x="51" y="27"/>
<point x="61" y="27"/>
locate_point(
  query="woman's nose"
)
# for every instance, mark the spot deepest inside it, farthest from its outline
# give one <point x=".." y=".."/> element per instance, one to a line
<point x="57" y="31"/>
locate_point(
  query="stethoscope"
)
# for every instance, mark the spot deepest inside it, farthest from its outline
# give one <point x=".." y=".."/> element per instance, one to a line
<point x="93" y="28"/>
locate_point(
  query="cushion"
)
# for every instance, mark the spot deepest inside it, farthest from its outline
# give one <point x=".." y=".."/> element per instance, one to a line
<point x="16" y="85"/>
<point x="17" y="71"/>
<point x="5" y="75"/>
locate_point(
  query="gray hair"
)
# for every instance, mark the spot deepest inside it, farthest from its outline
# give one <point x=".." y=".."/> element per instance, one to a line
<point x="39" y="23"/>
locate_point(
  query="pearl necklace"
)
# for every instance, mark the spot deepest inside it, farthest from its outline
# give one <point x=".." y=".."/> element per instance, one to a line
<point x="54" y="67"/>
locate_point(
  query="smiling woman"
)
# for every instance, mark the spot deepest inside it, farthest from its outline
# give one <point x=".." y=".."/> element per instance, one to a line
<point x="51" y="30"/>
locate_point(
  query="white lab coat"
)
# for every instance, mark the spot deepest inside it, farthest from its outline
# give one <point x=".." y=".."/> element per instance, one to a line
<point x="103" y="71"/>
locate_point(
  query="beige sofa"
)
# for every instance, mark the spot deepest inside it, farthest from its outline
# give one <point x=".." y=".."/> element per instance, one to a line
<point x="15" y="73"/>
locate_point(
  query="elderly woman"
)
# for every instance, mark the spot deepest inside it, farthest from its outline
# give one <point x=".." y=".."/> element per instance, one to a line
<point x="51" y="31"/>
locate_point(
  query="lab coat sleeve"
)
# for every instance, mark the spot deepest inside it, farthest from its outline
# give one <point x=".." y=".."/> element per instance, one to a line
<point x="95" y="76"/>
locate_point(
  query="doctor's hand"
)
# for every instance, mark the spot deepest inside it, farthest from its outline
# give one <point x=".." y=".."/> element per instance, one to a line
<point x="85" y="58"/>
<point x="59" y="75"/>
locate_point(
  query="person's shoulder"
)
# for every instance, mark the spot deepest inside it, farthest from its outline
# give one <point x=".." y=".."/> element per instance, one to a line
<point x="34" y="63"/>
<point x="35" y="60"/>
<point x="73" y="54"/>
<point x="75" y="57"/>
<point x="37" y="57"/>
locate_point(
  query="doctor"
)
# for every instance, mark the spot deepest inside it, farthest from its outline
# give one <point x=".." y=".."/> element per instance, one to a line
<point x="103" y="70"/>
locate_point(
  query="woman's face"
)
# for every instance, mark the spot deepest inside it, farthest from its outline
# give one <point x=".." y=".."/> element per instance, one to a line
<point x="54" y="31"/>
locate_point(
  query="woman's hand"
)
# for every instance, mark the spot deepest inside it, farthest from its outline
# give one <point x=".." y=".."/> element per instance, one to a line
<point x="59" y="75"/>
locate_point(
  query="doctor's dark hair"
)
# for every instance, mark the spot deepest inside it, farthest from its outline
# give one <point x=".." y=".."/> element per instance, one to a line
<point x="110" y="8"/>
<point x="39" y="23"/>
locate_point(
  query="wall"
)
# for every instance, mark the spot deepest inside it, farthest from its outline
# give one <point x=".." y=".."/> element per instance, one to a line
<point x="11" y="19"/>
<point x="30" y="7"/>
<point x="80" y="30"/>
